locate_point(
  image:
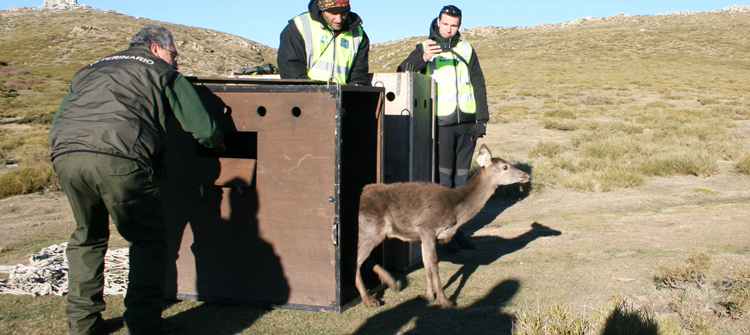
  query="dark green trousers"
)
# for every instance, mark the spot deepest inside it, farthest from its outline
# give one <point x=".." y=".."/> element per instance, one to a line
<point x="100" y="186"/>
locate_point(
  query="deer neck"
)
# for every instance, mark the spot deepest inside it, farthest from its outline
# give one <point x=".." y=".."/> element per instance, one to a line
<point x="473" y="196"/>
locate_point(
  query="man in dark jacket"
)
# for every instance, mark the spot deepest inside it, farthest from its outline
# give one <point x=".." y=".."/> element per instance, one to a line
<point x="461" y="100"/>
<point x="327" y="43"/>
<point x="107" y="150"/>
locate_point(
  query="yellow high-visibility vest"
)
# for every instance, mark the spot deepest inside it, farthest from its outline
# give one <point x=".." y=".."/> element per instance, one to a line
<point x="452" y="80"/>
<point x="329" y="58"/>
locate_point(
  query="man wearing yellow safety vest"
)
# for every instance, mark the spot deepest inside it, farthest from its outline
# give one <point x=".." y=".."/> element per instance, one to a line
<point x="461" y="100"/>
<point x="327" y="43"/>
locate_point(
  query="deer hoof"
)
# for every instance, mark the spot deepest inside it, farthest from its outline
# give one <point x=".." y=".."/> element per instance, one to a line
<point x="447" y="304"/>
<point x="428" y="297"/>
<point x="370" y="302"/>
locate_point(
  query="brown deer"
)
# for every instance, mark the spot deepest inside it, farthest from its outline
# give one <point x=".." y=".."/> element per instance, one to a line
<point x="425" y="212"/>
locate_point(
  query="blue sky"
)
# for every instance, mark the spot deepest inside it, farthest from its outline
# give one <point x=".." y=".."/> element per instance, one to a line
<point x="384" y="20"/>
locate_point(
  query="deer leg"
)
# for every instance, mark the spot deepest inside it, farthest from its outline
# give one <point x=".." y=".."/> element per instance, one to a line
<point x="446" y="236"/>
<point x="444" y="302"/>
<point x="429" y="259"/>
<point x="368" y="239"/>
<point x="384" y="276"/>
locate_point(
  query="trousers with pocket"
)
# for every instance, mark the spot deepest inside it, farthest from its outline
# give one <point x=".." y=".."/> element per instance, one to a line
<point x="455" y="150"/>
<point x="99" y="186"/>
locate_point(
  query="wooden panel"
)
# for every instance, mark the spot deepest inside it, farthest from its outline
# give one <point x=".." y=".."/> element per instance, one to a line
<point x="269" y="243"/>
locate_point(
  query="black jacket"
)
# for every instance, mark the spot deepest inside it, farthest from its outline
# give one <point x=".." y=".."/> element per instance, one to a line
<point x="475" y="70"/>
<point x="118" y="106"/>
<point x="292" y="58"/>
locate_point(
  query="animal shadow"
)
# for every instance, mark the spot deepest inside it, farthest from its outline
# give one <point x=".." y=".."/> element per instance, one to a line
<point x="481" y="317"/>
<point x="488" y="250"/>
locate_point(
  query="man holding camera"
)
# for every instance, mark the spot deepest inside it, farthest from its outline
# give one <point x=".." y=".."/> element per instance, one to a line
<point x="461" y="100"/>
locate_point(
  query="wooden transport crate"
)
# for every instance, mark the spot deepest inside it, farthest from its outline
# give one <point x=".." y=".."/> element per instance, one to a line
<point x="272" y="221"/>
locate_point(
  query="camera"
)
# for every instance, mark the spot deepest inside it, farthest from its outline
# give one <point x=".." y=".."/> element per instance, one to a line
<point x="445" y="47"/>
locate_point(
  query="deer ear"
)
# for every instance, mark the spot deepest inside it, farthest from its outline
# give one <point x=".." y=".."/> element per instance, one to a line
<point x="484" y="159"/>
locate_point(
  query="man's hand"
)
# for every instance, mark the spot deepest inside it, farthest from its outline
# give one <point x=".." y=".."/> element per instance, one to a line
<point x="432" y="49"/>
<point x="220" y="148"/>
<point x="478" y="130"/>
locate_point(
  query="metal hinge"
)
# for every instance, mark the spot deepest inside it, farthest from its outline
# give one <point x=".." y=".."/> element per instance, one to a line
<point x="335" y="232"/>
<point x="334" y="90"/>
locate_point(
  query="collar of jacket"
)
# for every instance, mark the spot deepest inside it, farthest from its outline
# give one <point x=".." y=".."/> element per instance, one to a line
<point x="435" y="35"/>
<point x="352" y="20"/>
<point x="146" y="52"/>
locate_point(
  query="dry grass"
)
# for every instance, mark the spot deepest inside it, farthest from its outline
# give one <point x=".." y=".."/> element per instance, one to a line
<point x="696" y="271"/>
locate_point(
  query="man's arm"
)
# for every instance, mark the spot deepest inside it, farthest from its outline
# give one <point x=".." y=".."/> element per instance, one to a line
<point x="62" y="106"/>
<point x="361" y="65"/>
<point x="189" y="111"/>
<point x="480" y="90"/>
<point x="415" y="57"/>
<point x="292" y="58"/>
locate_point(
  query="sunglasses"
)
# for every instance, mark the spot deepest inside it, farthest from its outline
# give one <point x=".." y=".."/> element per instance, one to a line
<point x="451" y="10"/>
<point x="174" y="54"/>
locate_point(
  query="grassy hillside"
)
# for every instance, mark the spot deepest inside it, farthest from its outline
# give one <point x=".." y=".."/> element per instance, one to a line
<point x="624" y="97"/>
<point x="41" y="50"/>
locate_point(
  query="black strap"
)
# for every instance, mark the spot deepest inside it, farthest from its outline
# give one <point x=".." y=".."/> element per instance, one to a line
<point x="459" y="56"/>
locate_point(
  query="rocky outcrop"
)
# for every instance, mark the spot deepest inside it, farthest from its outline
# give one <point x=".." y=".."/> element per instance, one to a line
<point x="61" y="4"/>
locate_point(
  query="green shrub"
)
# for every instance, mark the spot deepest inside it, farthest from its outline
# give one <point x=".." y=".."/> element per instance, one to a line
<point x="610" y="147"/>
<point x="743" y="164"/>
<point x="554" y="124"/>
<point x="551" y="319"/>
<point x="503" y="114"/>
<point x="706" y="132"/>
<point x="608" y="179"/>
<point x="26" y="179"/>
<point x="42" y="118"/>
<point x="560" y="113"/>
<point x="626" y="127"/>
<point x="546" y="149"/>
<point x="681" y="161"/>
<point x="737" y="300"/>
<point x="696" y="270"/>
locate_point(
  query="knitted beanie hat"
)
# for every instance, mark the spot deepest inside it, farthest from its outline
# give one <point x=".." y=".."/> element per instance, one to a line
<point x="334" y="6"/>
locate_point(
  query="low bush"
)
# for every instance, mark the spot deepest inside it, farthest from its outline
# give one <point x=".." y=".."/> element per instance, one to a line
<point x="605" y="180"/>
<point x="18" y="84"/>
<point x="546" y="149"/>
<point x="561" y="113"/>
<point x="681" y="161"/>
<point x="743" y="164"/>
<point x="696" y="270"/>
<point x="566" y="125"/>
<point x="737" y="300"/>
<point x="26" y="179"/>
<point x="551" y="319"/>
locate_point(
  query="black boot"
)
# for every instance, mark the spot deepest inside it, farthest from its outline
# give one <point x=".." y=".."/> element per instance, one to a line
<point x="463" y="242"/>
